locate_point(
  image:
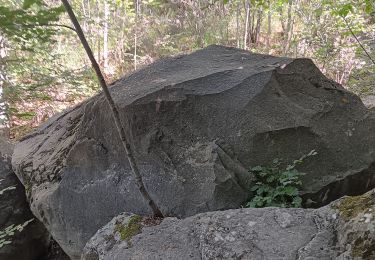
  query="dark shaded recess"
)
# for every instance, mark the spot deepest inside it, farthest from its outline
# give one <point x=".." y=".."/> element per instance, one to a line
<point x="352" y="185"/>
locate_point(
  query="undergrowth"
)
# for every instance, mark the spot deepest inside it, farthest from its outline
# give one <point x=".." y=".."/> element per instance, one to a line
<point x="277" y="186"/>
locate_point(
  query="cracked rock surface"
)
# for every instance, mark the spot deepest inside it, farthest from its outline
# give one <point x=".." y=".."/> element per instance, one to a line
<point x="197" y="122"/>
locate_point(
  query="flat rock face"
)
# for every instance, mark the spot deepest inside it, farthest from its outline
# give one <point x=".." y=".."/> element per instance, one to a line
<point x="32" y="243"/>
<point x="342" y="230"/>
<point x="197" y="123"/>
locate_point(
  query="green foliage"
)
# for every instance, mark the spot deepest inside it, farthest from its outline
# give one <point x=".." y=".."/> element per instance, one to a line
<point x="30" y="22"/>
<point x="41" y="76"/>
<point x="343" y="8"/>
<point x="11" y="230"/>
<point x="47" y="70"/>
<point x="276" y="186"/>
<point x="369" y="6"/>
<point x="131" y="229"/>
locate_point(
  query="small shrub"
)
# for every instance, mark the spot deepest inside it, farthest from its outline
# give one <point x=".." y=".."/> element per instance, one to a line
<point x="276" y="186"/>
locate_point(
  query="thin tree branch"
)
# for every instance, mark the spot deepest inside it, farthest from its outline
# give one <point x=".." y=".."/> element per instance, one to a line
<point x="60" y="25"/>
<point x="115" y="112"/>
<point x="41" y="25"/>
<point x="360" y="44"/>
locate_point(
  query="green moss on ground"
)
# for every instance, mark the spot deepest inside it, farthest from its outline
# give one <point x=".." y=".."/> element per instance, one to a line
<point x="131" y="229"/>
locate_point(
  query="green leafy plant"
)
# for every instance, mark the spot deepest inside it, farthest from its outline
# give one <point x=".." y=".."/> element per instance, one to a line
<point x="277" y="186"/>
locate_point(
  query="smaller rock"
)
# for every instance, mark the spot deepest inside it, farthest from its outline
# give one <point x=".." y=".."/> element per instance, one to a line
<point x="245" y="234"/>
<point x="344" y="229"/>
<point x="356" y="227"/>
<point x="115" y="233"/>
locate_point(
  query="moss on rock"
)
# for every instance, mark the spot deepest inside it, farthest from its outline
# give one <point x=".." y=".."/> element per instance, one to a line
<point x="132" y="228"/>
<point x="356" y="228"/>
<point x="364" y="247"/>
<point x="351" y="207"/>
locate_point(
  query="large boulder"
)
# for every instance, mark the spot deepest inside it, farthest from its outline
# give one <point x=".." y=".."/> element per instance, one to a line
<point x="342" y="230"/>
<point x="196" y="123"/>
<point x="32" y="243"/>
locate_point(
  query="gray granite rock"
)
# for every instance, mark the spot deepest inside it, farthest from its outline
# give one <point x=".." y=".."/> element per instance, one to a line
<point x="268" y="233"/>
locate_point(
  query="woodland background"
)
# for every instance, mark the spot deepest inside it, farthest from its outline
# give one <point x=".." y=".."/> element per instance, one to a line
<point x="43" y="68"/>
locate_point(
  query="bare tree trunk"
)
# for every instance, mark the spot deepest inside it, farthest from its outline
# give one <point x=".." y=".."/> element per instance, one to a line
<point x="281" y="12"/>
<point x="4" y="116"/>
<point x="290" y="35"/>
<point x="258" y="24"/>
<point x="269" y="26"/>
<point x="247" y="6"/>
<point x="135" y="33"/>
<point x="251" y="25"/>
<point x="89" y="27"/>
<point x="289" y="27"/>
<point x="98" y="36"/>
<point x="84" y="15"/>
<point x="238" y="25"/>
<point x="105" y="37"/>
<point x="122" y="41"/>
<point x="115" y="112"/>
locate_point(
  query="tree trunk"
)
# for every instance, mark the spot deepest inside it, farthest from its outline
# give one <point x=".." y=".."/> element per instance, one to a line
<point x="259" y="23"/>
<point x="269" y="26"/>
<point x="84" y="16"/>
<point x="238" y="25"/>
<point x="4" y="116"/>
<point x="115" y="112"/>
<point x="98" y="30"/>
<point x="290" y="35"/>
<point x="89" y="26"/>
<point x="282" y="19"/>
<point x="288" y="30"/>
<point x="252" y="26"/>
<point x="247" y="6"/>
<point x="135" y="33"/>
<point x="122" y="38"/>
<point x="105" y="37"/>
